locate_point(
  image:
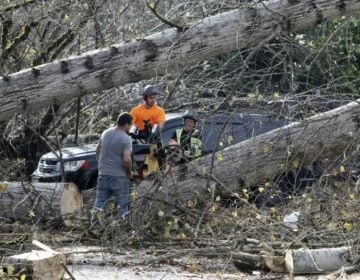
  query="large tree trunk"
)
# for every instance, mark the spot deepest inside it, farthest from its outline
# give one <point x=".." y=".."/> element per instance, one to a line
<point x="258" y="159"/>
<point x="162" y="52"/>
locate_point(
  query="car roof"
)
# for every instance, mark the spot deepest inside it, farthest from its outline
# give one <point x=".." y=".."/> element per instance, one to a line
<point x="170" y="116"/>
<point x="70" y="152"/>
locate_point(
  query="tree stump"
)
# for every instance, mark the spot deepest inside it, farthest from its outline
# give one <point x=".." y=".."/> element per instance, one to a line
<point x="40" y="265"/>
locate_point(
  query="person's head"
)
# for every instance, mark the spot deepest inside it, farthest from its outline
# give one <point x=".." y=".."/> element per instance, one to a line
<point x="124" y="121"/>
<point x="150" y="93"/>
<point x="189" y="122"/>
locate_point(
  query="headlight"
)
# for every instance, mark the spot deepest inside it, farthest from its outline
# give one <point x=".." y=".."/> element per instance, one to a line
<point x="74" y="165"/>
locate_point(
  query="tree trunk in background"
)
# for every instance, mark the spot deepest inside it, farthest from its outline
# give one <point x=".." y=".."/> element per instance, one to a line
<point x="162" y="52"/>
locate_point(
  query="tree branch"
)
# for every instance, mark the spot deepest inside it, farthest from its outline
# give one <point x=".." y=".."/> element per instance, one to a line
<point x="22" y="36"/>
<point x="17" y="6"/>
<point x="152" y="8"/>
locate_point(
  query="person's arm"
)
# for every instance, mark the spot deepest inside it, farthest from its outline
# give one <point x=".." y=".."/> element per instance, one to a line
<point x="127" y="160"/>
<point x="133" y="114"/>
<point x="98" y="148"/>
<point x="161" y="118"/>
<point x="161" y="124"/>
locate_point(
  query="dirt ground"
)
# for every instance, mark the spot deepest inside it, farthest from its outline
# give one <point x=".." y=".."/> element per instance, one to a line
<point x="82" y="272"/>
<point x="85" y="272"/>
<point x="94" y="263"/>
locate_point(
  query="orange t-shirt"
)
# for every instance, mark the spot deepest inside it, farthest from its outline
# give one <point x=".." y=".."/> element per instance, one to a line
<point x="140" y="114"/>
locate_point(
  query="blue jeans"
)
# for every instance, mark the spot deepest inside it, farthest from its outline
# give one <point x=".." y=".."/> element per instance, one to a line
<point x="118" y="187"/>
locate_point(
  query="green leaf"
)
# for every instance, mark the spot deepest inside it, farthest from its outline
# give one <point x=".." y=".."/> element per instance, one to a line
<point x="10" y="270"/>
<point x="3" y="186"/>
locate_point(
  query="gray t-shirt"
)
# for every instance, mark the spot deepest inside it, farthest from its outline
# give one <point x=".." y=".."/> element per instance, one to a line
<point x="113" y="143"/>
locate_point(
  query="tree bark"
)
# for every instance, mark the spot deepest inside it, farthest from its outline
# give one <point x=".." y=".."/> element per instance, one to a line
<point x="161" y="52"/>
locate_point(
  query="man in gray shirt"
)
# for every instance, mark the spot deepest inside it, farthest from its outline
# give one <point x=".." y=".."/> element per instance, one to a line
<point x="114" y="164"/>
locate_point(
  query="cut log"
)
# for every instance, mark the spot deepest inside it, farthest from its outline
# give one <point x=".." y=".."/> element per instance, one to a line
<point x="307" y="261"/>
<point x="24" y="201"/>
<point x="162" y="52"/>
<point x="71" y="203"/>
<point x="40" y="265"/>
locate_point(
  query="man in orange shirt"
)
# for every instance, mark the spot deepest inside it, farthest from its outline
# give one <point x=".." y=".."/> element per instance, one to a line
<point x="148" y="111"/>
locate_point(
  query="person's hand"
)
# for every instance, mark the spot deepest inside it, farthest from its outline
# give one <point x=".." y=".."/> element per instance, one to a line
<point x="130" y="175"/>
<point x="172" y="145"/>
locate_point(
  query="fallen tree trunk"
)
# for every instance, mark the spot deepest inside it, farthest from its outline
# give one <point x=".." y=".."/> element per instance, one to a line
<point x="21" y="201"/>
<point x="256" y="160"/>
<point x="162" y="52"/>
<point x="42" y="201"/>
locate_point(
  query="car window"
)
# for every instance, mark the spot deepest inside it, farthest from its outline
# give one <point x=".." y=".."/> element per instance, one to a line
<point x="169" y="128"/>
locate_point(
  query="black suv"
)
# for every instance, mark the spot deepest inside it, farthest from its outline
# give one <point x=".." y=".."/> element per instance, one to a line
<point x="217" y="131"/>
